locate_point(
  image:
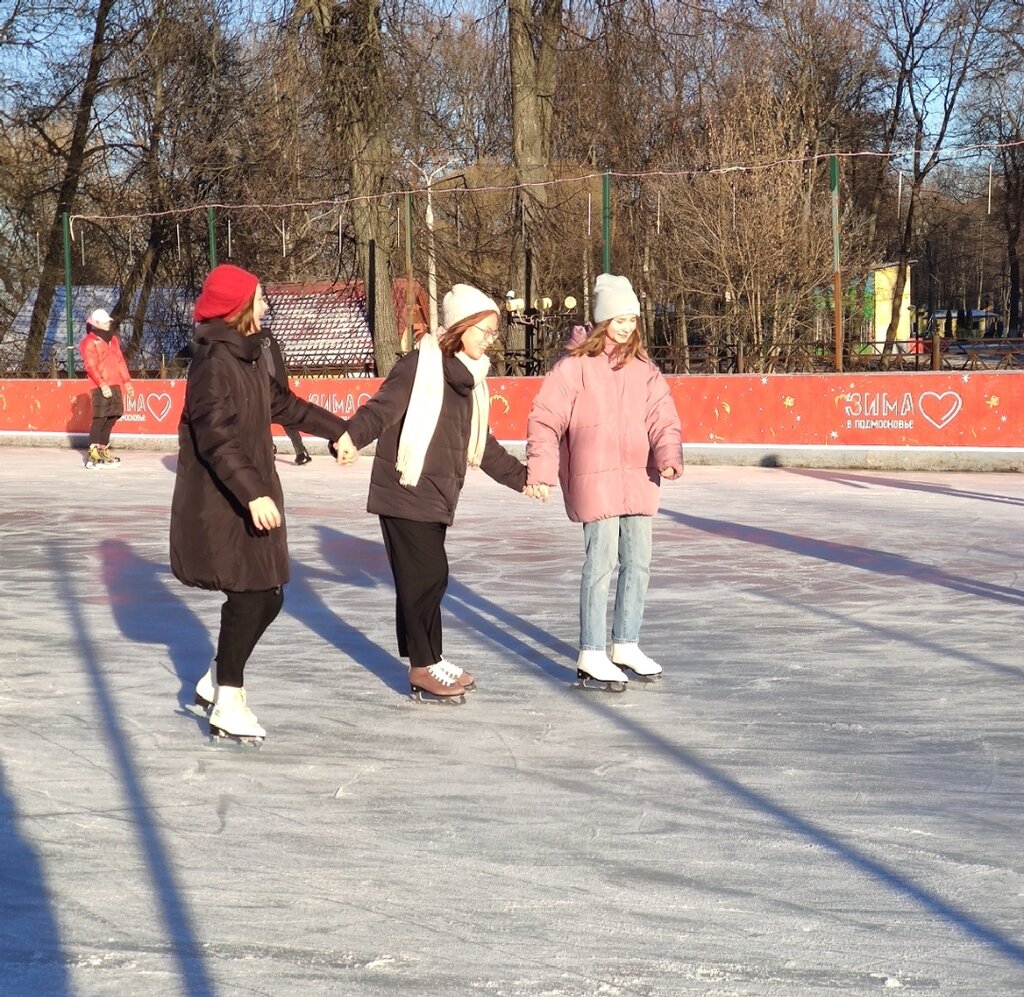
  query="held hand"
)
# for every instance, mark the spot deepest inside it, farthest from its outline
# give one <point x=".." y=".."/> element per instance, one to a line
<point x="669" y="472"/>
<point x="105" y="390"/>
<point x="537" y="491"/>
<point x="347" y="452"/>
<point x="265" y="513"/>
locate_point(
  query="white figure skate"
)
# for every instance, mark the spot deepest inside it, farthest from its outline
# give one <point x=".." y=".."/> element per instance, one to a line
<point x="595" y="670"/>
<point x="630" y="658"/>
<point x="232" y="720"/>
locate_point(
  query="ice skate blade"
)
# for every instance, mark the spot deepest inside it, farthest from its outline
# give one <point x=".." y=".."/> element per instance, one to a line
<point x="418" y="695"/>
<point x="221" y="738"/>
<point x="586" y="681"/>
<point x="635" y="676"/>
<point x="204" y="704"/>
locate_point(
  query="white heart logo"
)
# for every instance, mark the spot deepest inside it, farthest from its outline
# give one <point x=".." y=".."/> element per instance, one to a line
<point x="159" y="406"/>
<point x="943" y="408"/>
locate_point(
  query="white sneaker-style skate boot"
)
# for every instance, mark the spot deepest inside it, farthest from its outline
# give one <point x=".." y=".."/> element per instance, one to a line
<point x="232" y="718"/>
<point x="630" y="658"/>
<point x="206" y="689"/>
<point x="596" y="667"/>
<point x="457" y="672"/>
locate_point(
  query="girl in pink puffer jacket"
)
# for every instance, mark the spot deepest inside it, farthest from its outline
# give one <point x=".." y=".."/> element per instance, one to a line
<point x="605" y="425"/>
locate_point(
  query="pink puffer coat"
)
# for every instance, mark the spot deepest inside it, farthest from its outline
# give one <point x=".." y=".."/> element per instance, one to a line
<point x="604" y="433"/>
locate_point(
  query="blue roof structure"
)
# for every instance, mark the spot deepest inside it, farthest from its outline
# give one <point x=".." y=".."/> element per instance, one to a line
<point x="319" y="324"/>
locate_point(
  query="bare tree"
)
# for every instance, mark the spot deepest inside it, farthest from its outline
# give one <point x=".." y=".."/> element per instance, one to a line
<point x="356" y="108"/>
<point x="74" y="161"/>
<point x="534" y="33"/>
<point x="997" y="114"/>
<point x="933" y="46"/>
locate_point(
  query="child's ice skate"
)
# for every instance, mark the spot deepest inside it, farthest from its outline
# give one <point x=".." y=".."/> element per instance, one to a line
<point x="95" y="458"/>
<point x="206" y="690"/>
<point x="433" y="683"/>
<point x="595" y="670"/>
<point x="630" y="658"/>
<point x="108" y="458"/>
<point x="457" y="672"/>
<point x="232" y="720"/>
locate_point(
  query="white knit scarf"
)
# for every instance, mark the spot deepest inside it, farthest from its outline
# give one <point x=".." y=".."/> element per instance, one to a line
<point x="481" y="407"/>
<point x="425" y="407"/>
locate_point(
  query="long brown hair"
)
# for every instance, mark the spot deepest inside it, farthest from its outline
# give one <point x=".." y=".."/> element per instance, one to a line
<point x="593" y="345"/>
<point x="243" y="320"/>
<point x="450" y="340"/>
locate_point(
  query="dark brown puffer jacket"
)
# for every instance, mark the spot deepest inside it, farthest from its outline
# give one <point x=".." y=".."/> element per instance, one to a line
<point x="434" y="498"/>
<point x="226" y="459"/>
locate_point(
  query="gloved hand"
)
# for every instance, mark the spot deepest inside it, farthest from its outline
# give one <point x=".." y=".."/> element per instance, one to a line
<point x="105" y="390"/>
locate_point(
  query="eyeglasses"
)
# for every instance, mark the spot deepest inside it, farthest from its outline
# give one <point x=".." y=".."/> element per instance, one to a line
<point x="491" y="333"/>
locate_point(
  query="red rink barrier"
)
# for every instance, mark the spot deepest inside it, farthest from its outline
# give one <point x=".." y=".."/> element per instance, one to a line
<point x="954" y="410"/>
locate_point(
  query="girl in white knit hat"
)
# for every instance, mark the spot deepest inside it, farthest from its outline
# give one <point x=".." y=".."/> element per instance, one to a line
<point x="605" y="426"/>
<point x="429" y="419"/>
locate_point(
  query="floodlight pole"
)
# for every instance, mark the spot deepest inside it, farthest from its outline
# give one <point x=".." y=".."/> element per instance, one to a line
<point x="606" y="221"/>
<point x="409" y="295"/>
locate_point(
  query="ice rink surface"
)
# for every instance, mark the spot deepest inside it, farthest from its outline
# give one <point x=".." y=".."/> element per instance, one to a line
<point x="824" y="796"/>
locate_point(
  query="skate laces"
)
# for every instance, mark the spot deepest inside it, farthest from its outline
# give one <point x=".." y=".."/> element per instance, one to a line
<point x="452" y="670"/>
<point x="441" y="673"/>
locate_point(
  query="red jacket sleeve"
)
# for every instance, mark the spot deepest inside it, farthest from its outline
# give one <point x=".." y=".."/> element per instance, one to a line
<point x="92" y="358"/>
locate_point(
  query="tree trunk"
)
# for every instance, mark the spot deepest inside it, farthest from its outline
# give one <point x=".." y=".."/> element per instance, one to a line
<point x="375" y="244"/>
<point x="144" y="270"/>
<point x="1013" y="258"/>
<point x="53" y="261"/>
<point x="355" y="106"/>
<point x="532" y="51"/>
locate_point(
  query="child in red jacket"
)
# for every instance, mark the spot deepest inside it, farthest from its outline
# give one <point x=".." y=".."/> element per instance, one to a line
<point x="104" y="363"/>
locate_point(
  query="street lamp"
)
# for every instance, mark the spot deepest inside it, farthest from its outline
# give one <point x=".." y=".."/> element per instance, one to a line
<point x="429" y="179"/>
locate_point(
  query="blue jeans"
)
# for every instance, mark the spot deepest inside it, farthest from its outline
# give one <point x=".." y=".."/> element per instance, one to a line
<point x="623" y="542"/>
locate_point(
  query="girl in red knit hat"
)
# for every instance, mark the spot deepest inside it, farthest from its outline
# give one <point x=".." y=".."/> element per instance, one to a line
<point x="227" y="519"/>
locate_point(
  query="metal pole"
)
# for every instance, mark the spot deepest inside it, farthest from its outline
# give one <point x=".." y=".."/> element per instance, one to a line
<point x="431" y="262"/>
<point x="837" y="291"/>
<point x="66" y="226"/>
<point x="409" y="331"/>
<point x="606" y="221"/>
<point x="211" y="231"/>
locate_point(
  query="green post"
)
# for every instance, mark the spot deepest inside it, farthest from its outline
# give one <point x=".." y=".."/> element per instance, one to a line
<point x="837" y="292"/>
<point x="606" y="221"/>
<point x="211" y="231"/>
<point x="69" y="319"/>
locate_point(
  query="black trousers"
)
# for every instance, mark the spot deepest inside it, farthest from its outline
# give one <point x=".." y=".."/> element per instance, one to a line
<point x="296" y="437"/>
<point x="419" y="565"/>
<point x="244" y="619"/>
<point x="99" y="431"/>
<point x="105" y="412"/>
